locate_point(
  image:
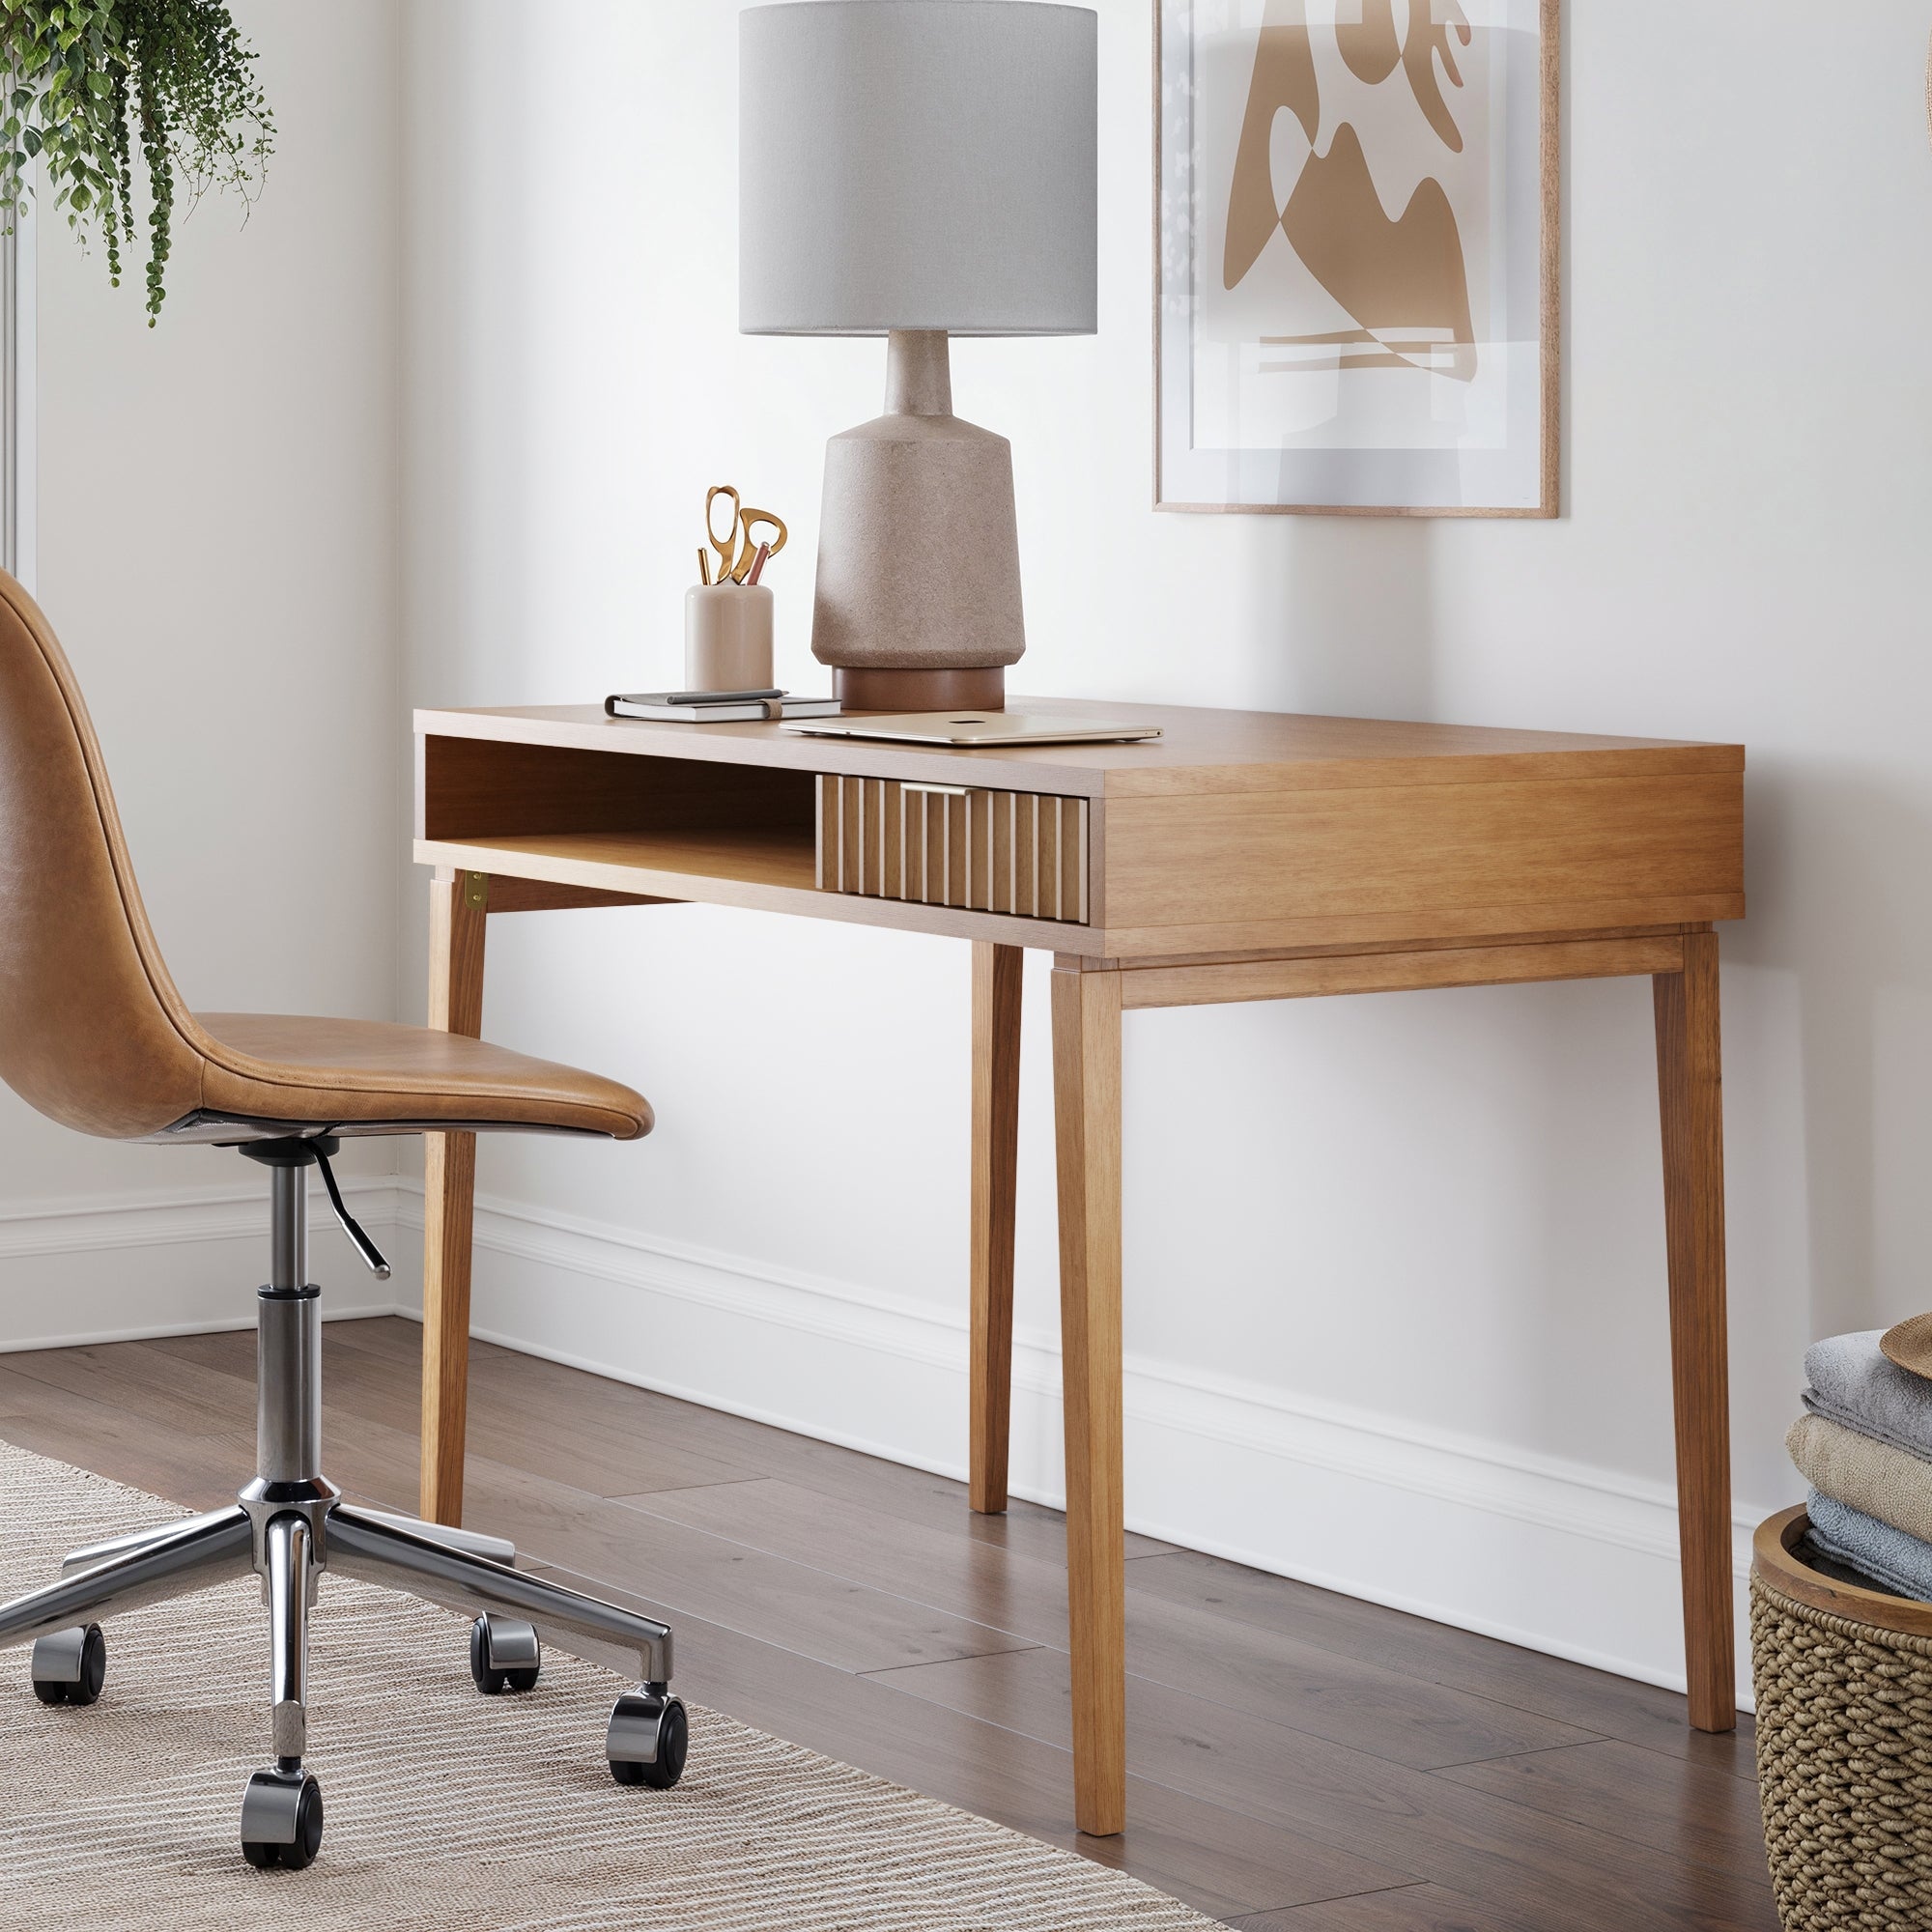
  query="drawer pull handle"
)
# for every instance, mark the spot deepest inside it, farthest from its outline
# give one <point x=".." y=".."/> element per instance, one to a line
<point x="940" y="790"/>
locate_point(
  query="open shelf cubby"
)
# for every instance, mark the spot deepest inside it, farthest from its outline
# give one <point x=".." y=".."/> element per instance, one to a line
<point x="699" y="818"/>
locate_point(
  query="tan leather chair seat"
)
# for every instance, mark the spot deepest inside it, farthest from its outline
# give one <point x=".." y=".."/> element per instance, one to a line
<point x="284" y="1067"/>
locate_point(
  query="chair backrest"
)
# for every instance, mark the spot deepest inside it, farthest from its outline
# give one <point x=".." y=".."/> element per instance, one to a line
<point x="92" y="1030"/>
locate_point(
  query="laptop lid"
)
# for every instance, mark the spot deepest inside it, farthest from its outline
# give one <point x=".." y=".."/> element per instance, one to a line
<point x="973" y="727"/>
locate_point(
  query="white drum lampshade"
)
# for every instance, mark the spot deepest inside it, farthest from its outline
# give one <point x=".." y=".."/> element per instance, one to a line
<point x="915" y="169"/>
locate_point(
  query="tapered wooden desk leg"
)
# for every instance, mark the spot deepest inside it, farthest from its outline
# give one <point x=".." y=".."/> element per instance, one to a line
<point x="456" y="925"/>
<point x="996" y="1128"/>
<point x="1087" y="1117"/>
<point x="1690" y="1088"/>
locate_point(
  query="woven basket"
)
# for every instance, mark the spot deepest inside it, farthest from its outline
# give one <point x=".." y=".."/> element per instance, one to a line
<point x="1844" y="1742"/>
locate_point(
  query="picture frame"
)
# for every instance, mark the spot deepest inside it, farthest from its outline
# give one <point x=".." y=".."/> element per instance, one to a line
<point x="1314" y="354"/>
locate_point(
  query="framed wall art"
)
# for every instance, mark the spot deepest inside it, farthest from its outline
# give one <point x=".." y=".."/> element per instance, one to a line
<point x="1355" y="298"/>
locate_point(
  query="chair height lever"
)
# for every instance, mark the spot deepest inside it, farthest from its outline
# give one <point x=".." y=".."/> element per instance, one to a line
<point x="371" y="1254"/>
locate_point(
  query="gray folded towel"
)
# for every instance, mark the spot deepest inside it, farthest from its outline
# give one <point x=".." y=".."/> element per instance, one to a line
<point x="1852" y="1382"/>
<point x="1886" y="1555"/>
<point x="1863" y="1473"/>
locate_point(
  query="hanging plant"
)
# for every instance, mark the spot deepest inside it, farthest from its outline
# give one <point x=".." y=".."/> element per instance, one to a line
<point x="88" y="81"/>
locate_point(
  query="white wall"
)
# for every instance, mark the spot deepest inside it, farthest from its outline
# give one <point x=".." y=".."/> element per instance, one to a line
<point x="218" y="551"/>
<point x="1395" y="1265"/>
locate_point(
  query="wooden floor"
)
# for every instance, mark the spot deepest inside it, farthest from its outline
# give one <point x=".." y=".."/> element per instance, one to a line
<point x="1300" y="1762"/>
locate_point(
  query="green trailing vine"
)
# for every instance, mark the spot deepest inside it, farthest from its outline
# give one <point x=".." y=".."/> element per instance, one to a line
<point x="87" y="82"/>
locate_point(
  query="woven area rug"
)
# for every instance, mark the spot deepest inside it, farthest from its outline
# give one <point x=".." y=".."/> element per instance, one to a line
<point x="449" y="1809"/>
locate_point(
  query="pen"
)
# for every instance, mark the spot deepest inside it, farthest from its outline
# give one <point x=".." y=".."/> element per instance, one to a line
<point x="759" y="563"/>
<point x="703" y="567"/>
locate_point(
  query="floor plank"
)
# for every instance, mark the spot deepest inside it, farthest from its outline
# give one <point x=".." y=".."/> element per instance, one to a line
<point x="231" y="1350"/>
<point x="787" y="1604"/>
<point x="380" y="1379"/>
<point x="1496" y="1850"/>
<point x="1219" y="1860"/>
<point x="119" y="1375"/>
<point x="202" y="1470"/>
<point x="1372" y="1708"/>
<point x="580" y="1443"/>
<point x="894" y="1490"/>
<point x="1666" y="1804"/>
<point x="1417" y="1908"/>
<point x="1618" y="1707"/>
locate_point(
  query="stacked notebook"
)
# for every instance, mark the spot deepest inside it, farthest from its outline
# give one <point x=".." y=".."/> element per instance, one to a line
<point x="717" y="707"/>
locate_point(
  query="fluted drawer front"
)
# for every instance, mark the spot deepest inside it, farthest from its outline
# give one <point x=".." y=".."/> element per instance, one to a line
<point x="1017" y="852"/>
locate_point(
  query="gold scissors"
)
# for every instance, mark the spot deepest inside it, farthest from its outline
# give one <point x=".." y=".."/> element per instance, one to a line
<point x="737" y="549"/>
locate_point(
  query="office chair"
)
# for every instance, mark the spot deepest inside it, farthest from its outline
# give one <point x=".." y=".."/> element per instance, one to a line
<point x="93" y="1033"/>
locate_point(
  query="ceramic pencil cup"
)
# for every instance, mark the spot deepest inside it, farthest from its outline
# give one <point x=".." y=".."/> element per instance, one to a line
<point x="728" y="637"/>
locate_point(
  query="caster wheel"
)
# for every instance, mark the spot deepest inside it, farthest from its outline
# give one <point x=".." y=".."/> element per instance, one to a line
<point x="281" y="1820"/>
<point x="504" y="1655"/>
<point x="69" y="1666"/>
<point x="643" y="1722"/>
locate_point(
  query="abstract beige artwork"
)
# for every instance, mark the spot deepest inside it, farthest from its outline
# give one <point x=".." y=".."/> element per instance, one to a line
<point x="1356" y="300"/>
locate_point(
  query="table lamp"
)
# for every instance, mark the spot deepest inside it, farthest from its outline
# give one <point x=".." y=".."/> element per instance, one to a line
<point x="916" y="169"/>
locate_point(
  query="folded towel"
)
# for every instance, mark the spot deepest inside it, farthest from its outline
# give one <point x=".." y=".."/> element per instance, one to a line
<point x="1871" y="1476"/>
<point x="1885" y="1555"/>
<point x="1854" y="1383"/>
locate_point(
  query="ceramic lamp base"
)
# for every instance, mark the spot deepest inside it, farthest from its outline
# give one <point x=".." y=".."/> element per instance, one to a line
<point x="860" y="688"/>
<point x="919" y="555"/>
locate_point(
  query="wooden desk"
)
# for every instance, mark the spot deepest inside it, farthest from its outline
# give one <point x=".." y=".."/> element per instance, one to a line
<point x="1243" y="856"/>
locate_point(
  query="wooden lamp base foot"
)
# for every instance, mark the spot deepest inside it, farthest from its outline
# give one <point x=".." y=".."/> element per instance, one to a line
<point x="863" y="688"/>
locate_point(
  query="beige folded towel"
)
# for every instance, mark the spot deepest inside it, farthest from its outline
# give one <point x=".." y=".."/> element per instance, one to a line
<point x="1868" y="1475"/>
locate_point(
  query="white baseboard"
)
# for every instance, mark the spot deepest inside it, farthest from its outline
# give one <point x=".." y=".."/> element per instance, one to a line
<point x="133" y="1266"/>
<point x="1561" y="1557"/>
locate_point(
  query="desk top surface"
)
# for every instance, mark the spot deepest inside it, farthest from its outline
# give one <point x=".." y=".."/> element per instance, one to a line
<point x="1200" y="749"/>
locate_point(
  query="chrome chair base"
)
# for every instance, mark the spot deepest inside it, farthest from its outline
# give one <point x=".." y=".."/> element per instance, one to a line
<point x="289" y="1525"/>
